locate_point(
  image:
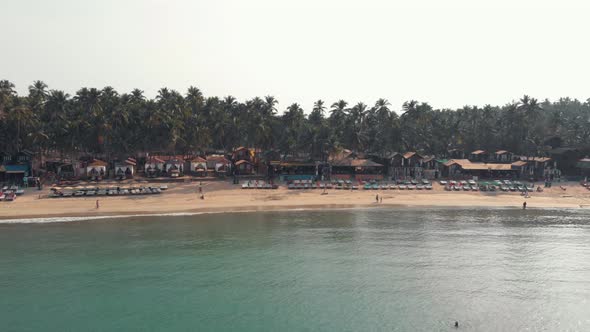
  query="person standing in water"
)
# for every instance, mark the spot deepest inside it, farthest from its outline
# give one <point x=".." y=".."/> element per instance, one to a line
<point x="524" y="206"/>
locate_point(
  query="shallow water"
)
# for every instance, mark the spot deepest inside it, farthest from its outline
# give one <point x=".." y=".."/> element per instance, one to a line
<point x="352" y="270"/>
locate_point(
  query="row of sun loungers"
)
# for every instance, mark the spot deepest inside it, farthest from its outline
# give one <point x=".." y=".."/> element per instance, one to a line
<point x="112" y="191"/>
<point x="258" y="185"/>
<point x="375" y="186"/>
<point x="498" y="185"/>
<point x="315" y="185"/>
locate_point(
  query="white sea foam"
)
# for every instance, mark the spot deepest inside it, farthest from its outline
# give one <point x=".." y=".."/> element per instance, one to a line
<point x="72" y="219"/>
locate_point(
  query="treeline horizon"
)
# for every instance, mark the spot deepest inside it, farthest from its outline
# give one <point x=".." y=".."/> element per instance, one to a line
<point x="104" y="121"/>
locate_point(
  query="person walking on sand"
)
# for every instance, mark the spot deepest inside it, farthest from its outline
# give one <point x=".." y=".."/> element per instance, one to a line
<point x="377" y="198"/>
<point x="524" y="206"/>
<point x="381" y="199"/>
<point x="97" y="204"/>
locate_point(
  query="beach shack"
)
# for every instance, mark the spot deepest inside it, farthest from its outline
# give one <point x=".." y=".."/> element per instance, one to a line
<point x="153" y="166"/>
<point x="465" y="168"/>
<point x="244" y="167"/>
<point x="345" y="165"/>
<point x="198" y="166"/>
<point x="219" y="164"/>
<point x="478" y="156"/>
<point x="583" y="166"/>
<point x="455" y="154"/>
<point x="431" y="167"/>
<point x="14" y="173"/>
<point x="243" y="153"/>
<point x="502" y="156"/>
<point x="125" y="169"/>
<point x="245" y="160"/>
<point x="535" y="167"/>
<point x="407" y="165"/>
<point x="14" y="168"/>
<point x="296" y="170"/>
<point x="174" y="167"/>
<point x="96" y="169"/>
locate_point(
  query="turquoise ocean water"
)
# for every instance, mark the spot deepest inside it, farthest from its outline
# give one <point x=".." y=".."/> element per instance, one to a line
<point x="348" y="270"/>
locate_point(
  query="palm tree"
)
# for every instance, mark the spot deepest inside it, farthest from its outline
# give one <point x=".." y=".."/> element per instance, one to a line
<point x="337" y="120"/>
<point x="357" y="126"/>
<point x="7" y="93"/>
<point x="21" y="116"/>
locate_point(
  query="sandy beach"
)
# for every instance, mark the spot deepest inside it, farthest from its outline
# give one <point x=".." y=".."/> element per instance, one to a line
<point x="221" y="196"/>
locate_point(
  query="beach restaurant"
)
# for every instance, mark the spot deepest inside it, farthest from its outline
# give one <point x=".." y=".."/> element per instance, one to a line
<point x="345" y="165"/>
<point x="466" y="168"/>
<point x="535" y="167"/>
<point x="296" y="170"/>
<point x="14" y="173"/>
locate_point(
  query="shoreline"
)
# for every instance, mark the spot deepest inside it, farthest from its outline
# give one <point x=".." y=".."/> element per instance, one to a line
<point x="223" y="197"/>
<point x="82" y="217"/>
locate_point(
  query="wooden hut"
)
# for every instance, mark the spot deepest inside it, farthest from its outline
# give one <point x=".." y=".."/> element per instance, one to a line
<point x="478" y="156"/>
<point x="244" y="167"/>
<point x="125" y="169"/>
<point x="503" y="156"/>
<point x="174" y="167"/>
<point x="535" y="167"/>
<point x="407" y="165"/>
<point x="153" y="166"/>
<point x="583" y="166"/>
<point x="96" y="169"/>
<point x="198" y="166"/>
<point x="345" y="164"/>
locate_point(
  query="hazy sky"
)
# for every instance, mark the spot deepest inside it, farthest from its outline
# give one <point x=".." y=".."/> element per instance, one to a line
<point x="448" y="53"/>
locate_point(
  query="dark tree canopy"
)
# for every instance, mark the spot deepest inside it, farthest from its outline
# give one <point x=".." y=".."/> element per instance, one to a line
<point x="108" y="122"/>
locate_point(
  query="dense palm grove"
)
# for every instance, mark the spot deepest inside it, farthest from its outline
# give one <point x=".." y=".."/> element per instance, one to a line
<point x="103" y="121"/>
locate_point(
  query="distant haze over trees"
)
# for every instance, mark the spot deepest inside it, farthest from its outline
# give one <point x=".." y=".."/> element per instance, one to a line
<point x="104" y="121"/>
